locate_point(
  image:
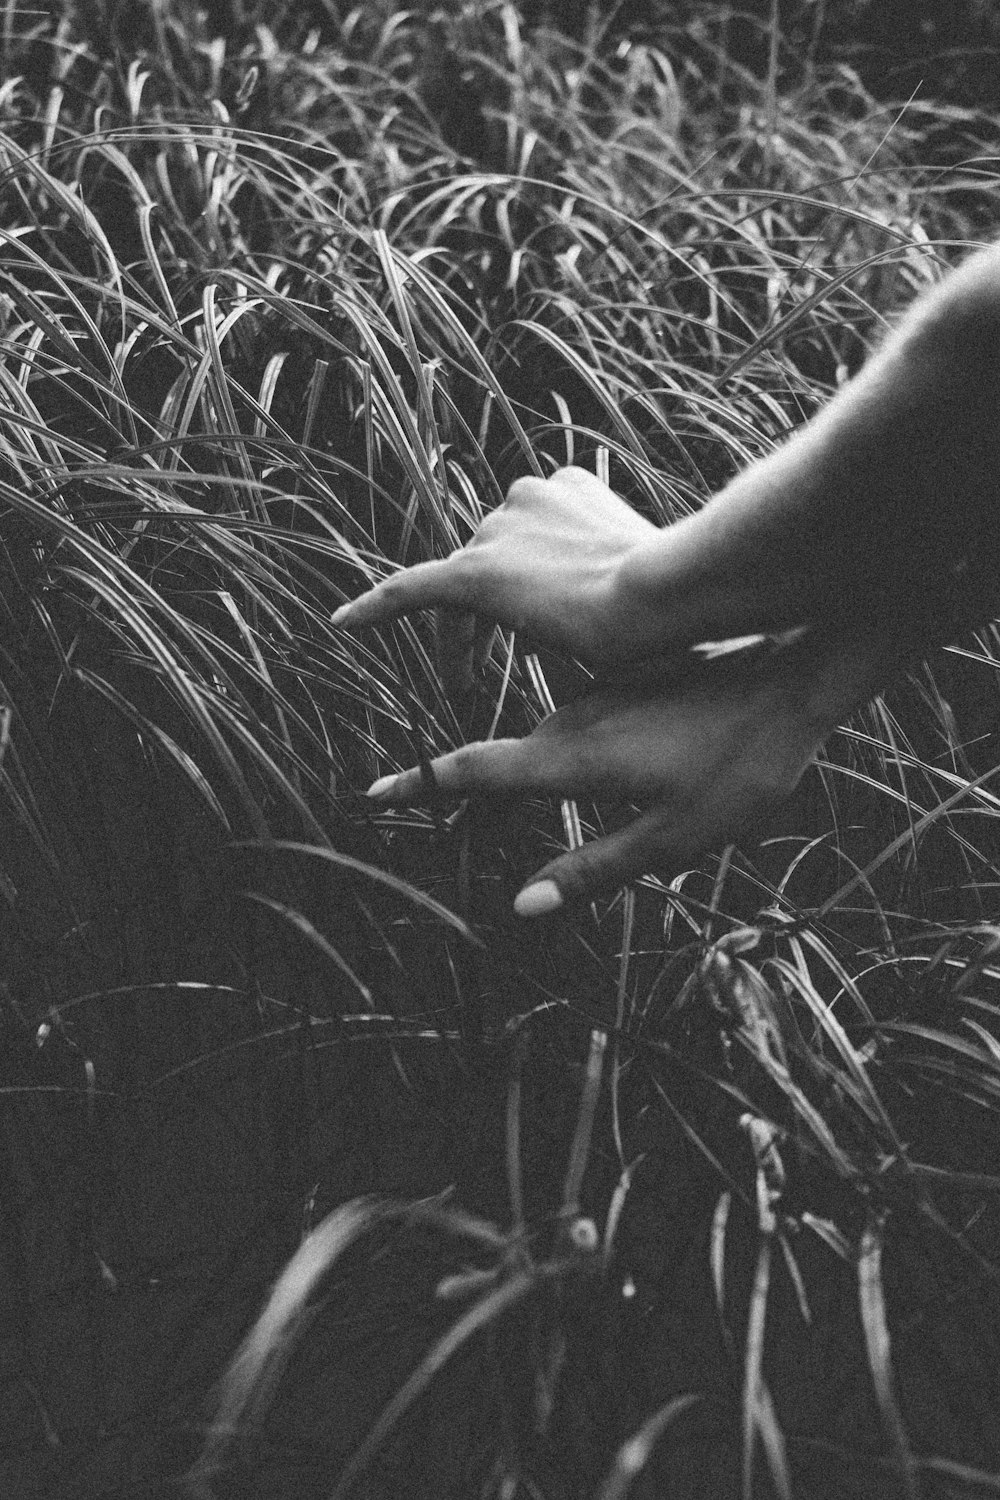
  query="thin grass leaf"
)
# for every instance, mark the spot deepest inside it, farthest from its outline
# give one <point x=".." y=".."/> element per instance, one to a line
<point x="387" y="259"/>
<point x="481" y="1315"/>
<point x="773" y="1442"/>
<point x="179" y="682"/>
<point x="933" y="815"/>
<point x="796" y="1277"/>
<point x="579" y="1153"/>
<point x="633" y="1455"/>
<point x="759" y="1417"/>
<point x="189" y="768"/>
<point x="717" y="1250"/>
<point x="765" y="340"/>
<point x="371" y="872"/>
<point x="616" y="1207"/>
<point x="434" y="295"/>
<point x="312" y="934"/>
<point x="874" y="1322"/>
<point x="857" y="1081"/>
<point x="973" y="1481"/>
<point x="515" y="1185"/>
<point x="628" y="918"/>
<point x="256" y="1369"/>
<point x="216" y="331"/>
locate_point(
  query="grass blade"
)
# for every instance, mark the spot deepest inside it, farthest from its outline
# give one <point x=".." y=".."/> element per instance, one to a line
<point x="874" y="1321"/>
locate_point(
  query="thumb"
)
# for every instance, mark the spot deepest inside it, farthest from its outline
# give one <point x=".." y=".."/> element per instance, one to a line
<point x="644" y="846"/>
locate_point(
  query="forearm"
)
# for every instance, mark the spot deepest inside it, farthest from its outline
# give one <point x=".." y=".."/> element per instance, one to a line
<point x="885" y="509"/>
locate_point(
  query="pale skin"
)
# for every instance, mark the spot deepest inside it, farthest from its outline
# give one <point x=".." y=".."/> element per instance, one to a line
<point x="876" y="526"/>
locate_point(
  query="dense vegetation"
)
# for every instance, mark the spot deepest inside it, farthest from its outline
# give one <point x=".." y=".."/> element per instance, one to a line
<point x="690" y="1193"/>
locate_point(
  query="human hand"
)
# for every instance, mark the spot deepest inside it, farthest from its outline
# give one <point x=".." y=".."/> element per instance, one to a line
<point x="707" y="750"/>
<point x="544" y="563"/>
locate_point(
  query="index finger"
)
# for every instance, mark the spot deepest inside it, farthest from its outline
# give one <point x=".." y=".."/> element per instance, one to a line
<point x="425" y="585"/>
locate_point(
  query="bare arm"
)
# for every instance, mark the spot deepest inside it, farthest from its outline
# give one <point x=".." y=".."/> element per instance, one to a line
<point x="884" y="508"/>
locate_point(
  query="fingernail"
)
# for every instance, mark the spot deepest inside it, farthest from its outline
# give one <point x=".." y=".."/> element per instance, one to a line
<point x="535" y="900"/>
<point x="382" y="786"/>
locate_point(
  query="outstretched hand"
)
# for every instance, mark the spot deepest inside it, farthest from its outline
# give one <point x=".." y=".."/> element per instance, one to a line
<point x="707" y="748"/>
<point x="544" y="563"/>
<point x="707" y="753"/>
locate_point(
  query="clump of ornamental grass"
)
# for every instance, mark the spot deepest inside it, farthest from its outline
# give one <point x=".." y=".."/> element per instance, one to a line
<point x="694" y="1187"/>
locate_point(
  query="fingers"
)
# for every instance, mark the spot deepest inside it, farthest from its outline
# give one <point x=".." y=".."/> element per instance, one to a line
<point x="424" y="586"/>
<point x="562" y="756"/>
<point x="648" y="845"/>
<point x="489" y="766"/>
<point x="579" y="485"/>
<point x="659" y="841"/>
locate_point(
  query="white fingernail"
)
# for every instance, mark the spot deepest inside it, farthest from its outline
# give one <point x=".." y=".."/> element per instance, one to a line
<point x="382" y="786"/>
<point x="535" y="900"/>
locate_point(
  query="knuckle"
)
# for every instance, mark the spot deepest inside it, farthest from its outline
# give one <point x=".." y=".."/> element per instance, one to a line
<point x="580" y="876"/>
<point x="464" y="762"/>
<point x="391" y="589"/>
<point x="776" y="782"/>
<point x="469" y="767"/>
<point x="487" y="526"/>
<point x="523" y="491"/>
<point x="489" y="765"/>
<point x="573" y="474"/>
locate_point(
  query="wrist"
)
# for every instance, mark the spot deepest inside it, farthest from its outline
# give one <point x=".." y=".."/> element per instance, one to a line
<point x="688" y="583"/>
<point x="840" y="670"/>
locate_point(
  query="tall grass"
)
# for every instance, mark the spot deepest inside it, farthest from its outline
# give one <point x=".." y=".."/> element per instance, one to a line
<point x="692" y="1192"/>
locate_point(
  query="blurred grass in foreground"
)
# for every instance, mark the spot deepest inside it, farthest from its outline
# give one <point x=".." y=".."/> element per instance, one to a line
<point x="693" y="1193"/>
